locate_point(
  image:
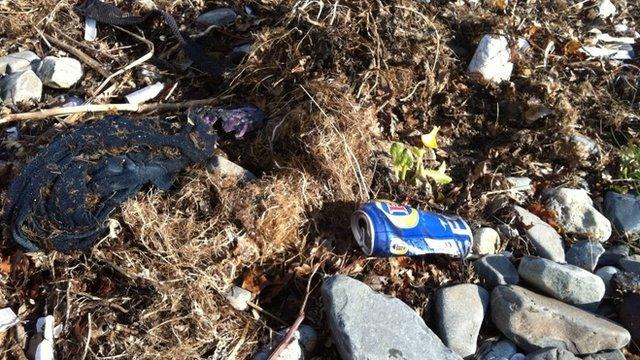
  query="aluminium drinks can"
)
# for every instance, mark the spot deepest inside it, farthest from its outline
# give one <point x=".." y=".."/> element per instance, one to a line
<point x="384" y="228"/>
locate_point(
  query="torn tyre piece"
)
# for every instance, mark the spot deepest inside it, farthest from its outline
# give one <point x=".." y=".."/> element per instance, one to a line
<point x="63" y="197"/>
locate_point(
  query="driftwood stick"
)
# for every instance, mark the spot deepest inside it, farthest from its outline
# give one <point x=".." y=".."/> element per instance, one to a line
<point x="79" y="54"/>
<point x="105" y="108"/>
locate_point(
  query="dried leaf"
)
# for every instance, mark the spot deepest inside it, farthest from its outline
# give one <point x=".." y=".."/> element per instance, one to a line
<point x="5" y="266"/>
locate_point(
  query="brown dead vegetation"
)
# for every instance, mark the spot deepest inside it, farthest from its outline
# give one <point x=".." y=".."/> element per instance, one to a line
<point x="339" y="80"/>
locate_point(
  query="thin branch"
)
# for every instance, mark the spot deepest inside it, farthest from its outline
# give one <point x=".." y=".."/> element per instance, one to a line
<point x="99" y="68"/>
<point x="292" y="330"/>
<point x="105" y="108"/>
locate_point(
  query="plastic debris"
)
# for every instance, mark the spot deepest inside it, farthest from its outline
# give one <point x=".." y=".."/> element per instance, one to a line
<point x="45" y="327"/>
<point x="145" y="94"/>
<point x="606" y="9"/>
<point x="7" y="319"/>
<point x="492" y="58"/>
<point x="90" y="29"/>
<point x="239" y="120"/>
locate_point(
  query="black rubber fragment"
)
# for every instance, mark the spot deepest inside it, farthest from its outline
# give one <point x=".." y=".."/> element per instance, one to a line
<point x="63" y="197"/>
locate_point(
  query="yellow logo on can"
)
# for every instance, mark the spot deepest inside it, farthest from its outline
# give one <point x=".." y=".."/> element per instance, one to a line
<point x="401" y="216"/>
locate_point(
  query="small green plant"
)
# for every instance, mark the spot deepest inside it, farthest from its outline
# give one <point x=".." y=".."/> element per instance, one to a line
<point x="630" y="161"/>
<point x="630" y="164"/>
<point x="410" y="159"/>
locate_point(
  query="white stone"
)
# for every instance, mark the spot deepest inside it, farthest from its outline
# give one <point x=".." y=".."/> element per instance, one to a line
<point x="485" y="241"/>
<point x="492" y="58"/>
<point x="60" y="73"/>
<point x="17" y="62"/>
<point x="238" y="298"/>
<point x="575" y="213"/>
<point x="19" y="87"/>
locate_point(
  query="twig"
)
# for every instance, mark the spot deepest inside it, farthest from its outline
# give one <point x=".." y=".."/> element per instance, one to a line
<point x="260" y="309"/>
<point x="103" y="108"/>
<point x="99" y="68"/>
<point x="86" y="345"/>
<point x="135" y="63"/>
<point x="292" y="330"/>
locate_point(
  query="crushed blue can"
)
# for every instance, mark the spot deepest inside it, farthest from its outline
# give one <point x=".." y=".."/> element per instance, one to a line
<point x="384" y="228"/>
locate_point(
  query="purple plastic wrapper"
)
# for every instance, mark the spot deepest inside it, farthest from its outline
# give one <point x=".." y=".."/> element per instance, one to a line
<point x="239" y="120"/>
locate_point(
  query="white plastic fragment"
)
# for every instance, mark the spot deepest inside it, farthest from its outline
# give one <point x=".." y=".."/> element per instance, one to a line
<point x="145" y="94"/>
<point x="621" y="28"/>
<point x="606" y="9"/>
<point x="523" y="44"/>
<point x="492" y="58"/>
<point x="90" y="29"/>
<point x="604" y="37"/>
<point x="620" y="52"/>
<point x="45" y="326"/>
<point x="7" y="319"/>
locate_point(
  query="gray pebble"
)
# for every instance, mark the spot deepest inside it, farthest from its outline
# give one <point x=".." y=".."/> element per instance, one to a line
<point x="218" y="17"/>
<point x="460" y="310"/>
<point x="567" y="283"/>
<point x="17" y="62"/>
<point x="613" y="254"/>
<point x="494" y="270"/>
<point x="60" y="72"/>
<point x="497" y="350"/>
<point x="552" y="353"/>
<point x="606" y="273"/>
<point x="624" y="212"/>
<point x="585" y="254"/>
<point x="630" y="263"/>
<point x="369" y="325"/>
<point x="20" y="86"/>
<point x="544" y="238"/>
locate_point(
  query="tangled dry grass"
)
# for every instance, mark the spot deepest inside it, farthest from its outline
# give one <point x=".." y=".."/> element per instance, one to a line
<point x="338" y="80"/>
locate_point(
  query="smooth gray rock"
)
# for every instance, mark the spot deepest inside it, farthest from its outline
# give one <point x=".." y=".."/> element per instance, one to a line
<point x="576" y="214"/>
<point x="630" y="263"/>
<point x="494" y="270"/>
<point x="497" y="350"/>
<point x="218" y="17"/>
<point x="612" y="255"/>
<point x="460" y="310"/>
<point x="305" y="340"/>
<point x="545" y="239"/>
<point x="485" y="241"/>
<point x="606" y="273"/>
<point x="60" y="72"/>
<point x="585" y="254"/>
<point x="534" y="322"/>
<point x="518" y="356"/>
<point x="564" y="282"/>
<point x="623" y="210"/>
<point x="17" y="62"/>
<point x="606" y="355"/>
<point x="552" y="354"/>
<point x="20" y="86"/>
<point x="369" y="325"/>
